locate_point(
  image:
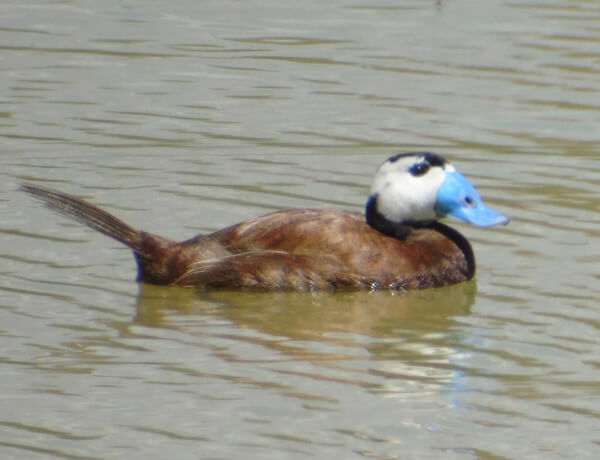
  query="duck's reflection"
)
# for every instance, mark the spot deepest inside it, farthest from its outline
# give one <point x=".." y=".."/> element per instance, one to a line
<point x="313" y="316"/>
<point x="384" y="342"/>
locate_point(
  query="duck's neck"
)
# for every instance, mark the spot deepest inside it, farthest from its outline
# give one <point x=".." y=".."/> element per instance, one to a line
<point x="460" y="241"/>
<point x="386" y="226"/>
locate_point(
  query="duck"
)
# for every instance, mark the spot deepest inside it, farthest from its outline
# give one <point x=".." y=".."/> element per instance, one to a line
<point x="397" y="243"/>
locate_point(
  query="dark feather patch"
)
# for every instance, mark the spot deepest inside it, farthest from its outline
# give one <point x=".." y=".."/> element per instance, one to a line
<point x="433" y="159"/>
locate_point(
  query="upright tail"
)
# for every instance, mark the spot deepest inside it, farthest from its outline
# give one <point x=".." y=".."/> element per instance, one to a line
<point x="154" y="254"/>
<point x="87" y="214"/>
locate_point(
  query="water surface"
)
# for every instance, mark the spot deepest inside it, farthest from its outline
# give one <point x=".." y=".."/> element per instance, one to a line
<point x="184" y="117"/>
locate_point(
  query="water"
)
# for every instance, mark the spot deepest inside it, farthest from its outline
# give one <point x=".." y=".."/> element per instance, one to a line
<point x="184" y="117"/>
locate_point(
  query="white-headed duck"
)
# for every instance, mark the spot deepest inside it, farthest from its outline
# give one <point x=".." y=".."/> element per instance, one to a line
<point x="397" y="244"/>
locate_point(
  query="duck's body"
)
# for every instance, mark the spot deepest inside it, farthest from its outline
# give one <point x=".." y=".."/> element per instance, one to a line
<point x="306" y="249"/>
<point x="302" y="249"/>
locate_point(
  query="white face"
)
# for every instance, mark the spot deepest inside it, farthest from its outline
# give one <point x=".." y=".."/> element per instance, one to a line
<point x="407" y="187"/>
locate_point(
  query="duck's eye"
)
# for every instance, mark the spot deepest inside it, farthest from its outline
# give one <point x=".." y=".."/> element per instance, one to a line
<point x="419" y="169"/>
<point x="468" y="201"/>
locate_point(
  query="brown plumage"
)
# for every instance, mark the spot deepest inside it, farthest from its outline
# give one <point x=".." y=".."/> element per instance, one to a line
<point x="296" y="249"/>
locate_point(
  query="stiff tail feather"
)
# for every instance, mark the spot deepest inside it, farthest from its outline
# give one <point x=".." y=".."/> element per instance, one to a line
<point x="160" y="260"/>
<point x="87" y="214"/>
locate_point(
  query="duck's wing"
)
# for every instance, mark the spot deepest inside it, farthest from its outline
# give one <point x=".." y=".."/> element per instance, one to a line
<point x="270" y="271"/>
<point x="295" y="249"/>
<point x="294" y="230"/>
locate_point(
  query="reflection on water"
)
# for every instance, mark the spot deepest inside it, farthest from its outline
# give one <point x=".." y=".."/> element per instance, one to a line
<point x="402" y="345"/>
<point x="302" y="316"/>
<point x="407" y="329"/>
<point x="185" y="120"/>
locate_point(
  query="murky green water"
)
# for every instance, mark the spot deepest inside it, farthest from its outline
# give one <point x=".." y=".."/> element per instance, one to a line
<point x="183" y="117"/>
